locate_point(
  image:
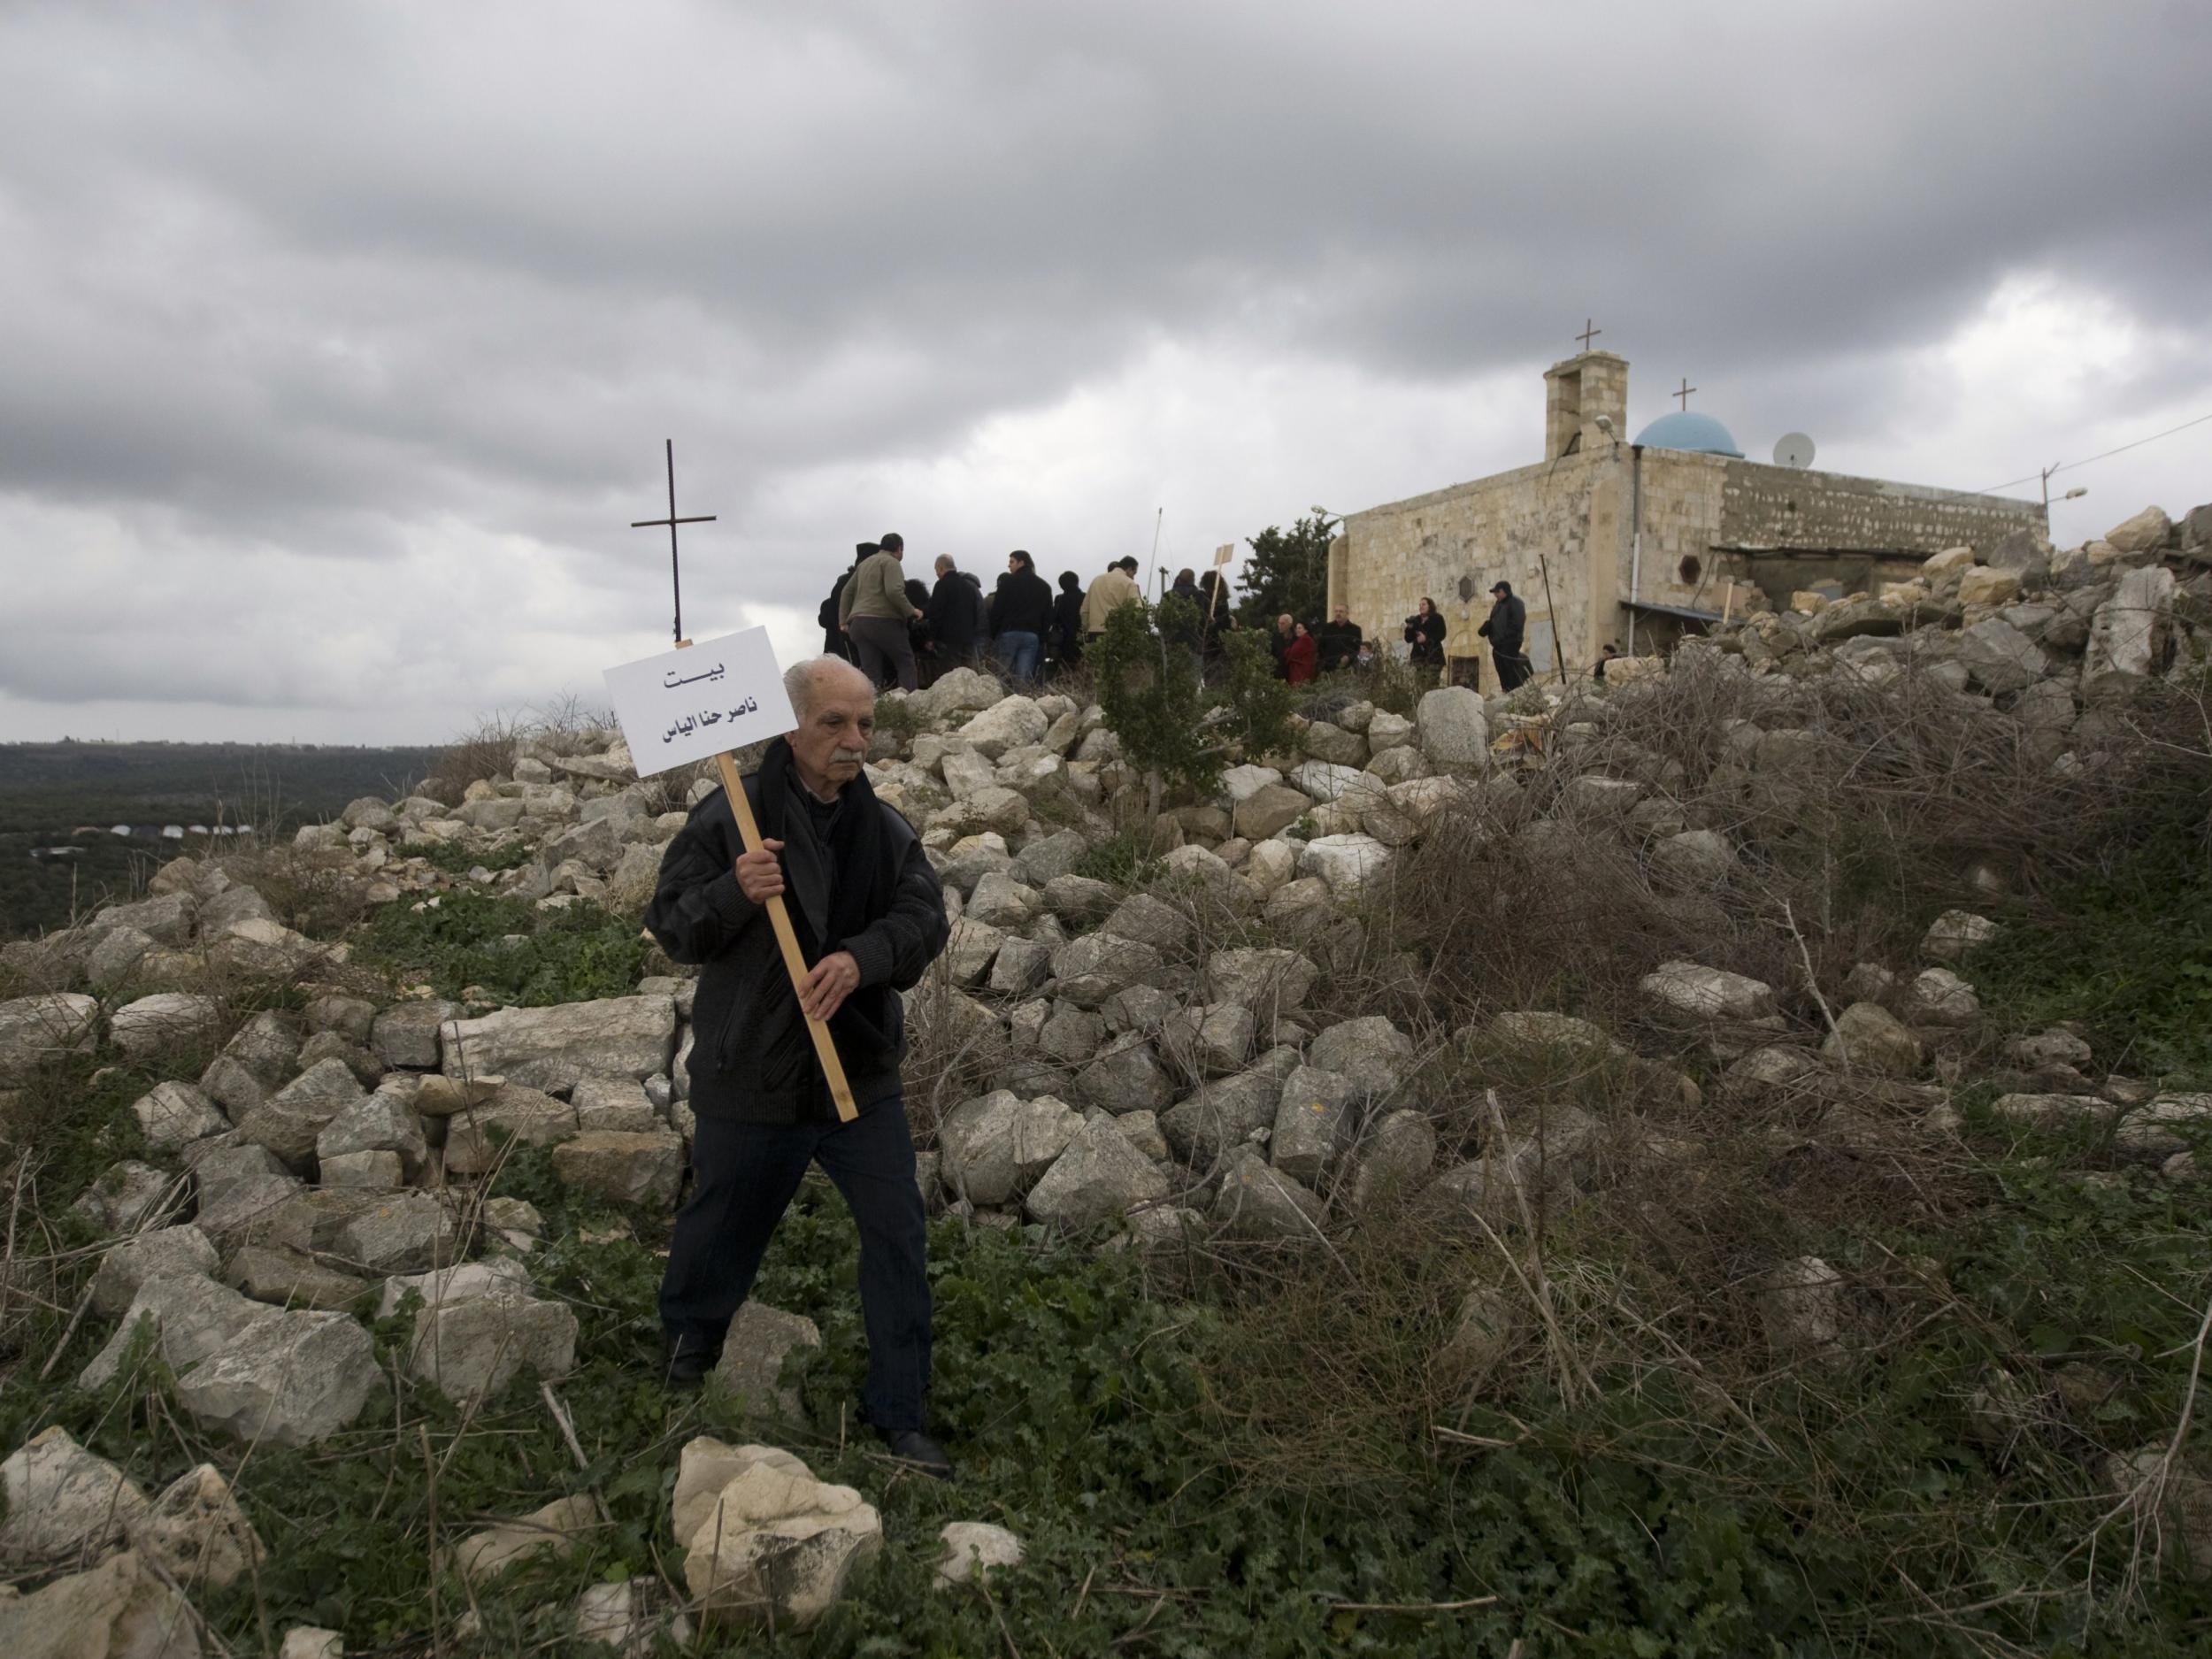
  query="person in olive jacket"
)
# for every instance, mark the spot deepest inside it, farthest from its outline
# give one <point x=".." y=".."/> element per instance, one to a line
<point x="869" y="918"/>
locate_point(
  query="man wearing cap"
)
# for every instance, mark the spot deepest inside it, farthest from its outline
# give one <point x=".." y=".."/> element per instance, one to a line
<point x="1509" y="621"/>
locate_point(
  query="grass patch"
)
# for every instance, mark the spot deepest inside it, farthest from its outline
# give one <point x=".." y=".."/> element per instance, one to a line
<point x="457" y="858"/>
<point x="1126" y="860"/>
<point x="507" y="949"/>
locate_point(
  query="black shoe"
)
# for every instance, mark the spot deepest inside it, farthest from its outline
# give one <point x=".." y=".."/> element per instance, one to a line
<point x="911" y="1446"/>
<point x="688" y="1366"/>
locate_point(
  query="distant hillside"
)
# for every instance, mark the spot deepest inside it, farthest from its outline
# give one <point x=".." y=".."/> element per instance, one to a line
<point x="50" y="790"/>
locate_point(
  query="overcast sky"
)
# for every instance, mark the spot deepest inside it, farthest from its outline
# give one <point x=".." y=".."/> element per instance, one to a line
<point x="338" y="343"/>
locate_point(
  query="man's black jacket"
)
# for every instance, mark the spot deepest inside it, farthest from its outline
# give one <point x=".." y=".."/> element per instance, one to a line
<point x="955" y="613"/>
<point x="1023" y="604"/>
<point x="751" y="1058"/>
<point x="1507" y="618"/>
<point x="1339" y="644"/>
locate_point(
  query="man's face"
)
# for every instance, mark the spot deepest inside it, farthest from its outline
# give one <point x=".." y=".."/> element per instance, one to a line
<point x="1282" y="625"/>
<point x="1342" y="614"/>
<point x="944" y="567"/>
<point x="830" y="743"/>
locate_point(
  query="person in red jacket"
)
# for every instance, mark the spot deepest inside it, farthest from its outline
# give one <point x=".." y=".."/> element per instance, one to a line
<point x="1301" y="657"/>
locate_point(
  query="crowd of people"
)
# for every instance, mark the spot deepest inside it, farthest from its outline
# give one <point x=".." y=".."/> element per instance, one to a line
<point x="900" y="630"/>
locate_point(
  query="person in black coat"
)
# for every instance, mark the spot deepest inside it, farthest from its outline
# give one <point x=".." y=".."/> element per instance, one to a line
<point x="1508" y="624"/>
<point x="1067" y="621"/>
<point x="1021" y="616"/>
<point x="833" y="636"/>
<point x="954" y="614"/>
<point x="1425" y="633"/>
<point x="1339" y="638"/>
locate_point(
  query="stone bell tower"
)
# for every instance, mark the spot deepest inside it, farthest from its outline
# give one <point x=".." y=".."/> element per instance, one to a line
<point x="1576" y="393"/>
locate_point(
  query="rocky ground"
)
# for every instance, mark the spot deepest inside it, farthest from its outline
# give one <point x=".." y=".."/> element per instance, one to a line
<point x="1324" y="1002"/>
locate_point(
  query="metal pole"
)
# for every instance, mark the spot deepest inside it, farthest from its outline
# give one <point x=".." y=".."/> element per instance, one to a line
<point x="1558" y="652"/>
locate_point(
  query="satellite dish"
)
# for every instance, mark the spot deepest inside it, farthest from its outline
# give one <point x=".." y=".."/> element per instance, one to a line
<point x="1794" y="450"/>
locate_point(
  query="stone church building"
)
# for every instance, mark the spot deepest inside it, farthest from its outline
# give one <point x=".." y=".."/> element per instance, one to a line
<point x="1645" y="539"/>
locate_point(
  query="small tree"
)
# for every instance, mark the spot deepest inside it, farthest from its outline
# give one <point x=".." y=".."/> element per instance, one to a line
<point x="1170" y="723"/>
<point x="1287" y="575"/>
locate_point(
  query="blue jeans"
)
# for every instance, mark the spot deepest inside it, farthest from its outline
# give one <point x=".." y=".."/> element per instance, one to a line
<point x="1018" y="651"/>
<point x="744" y="1175"/>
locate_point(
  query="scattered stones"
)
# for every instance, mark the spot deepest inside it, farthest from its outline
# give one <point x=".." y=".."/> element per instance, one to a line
<point x="290" y="1121"/>
<point x="1098" y="1177"/>
<point x="765" y="1539"/>
<point x="1869" y="1038"/>
<point x="626" y="1168"/>
<point x="760" y="1340"/>
<point x="64" y="1503"/>
<point x="1709" y="993"/>
<point x="1258" y="1201"/>
<point x="164" y="1251"/>
<point x="470" y="1349"/>
<point x="483" y="1555"/>
<point x="120" y="1609"/>
<point x="167" y="1019"/>
<point x="1954" y="932"/>
<point x="552" y="1048"/>
<point x="996" y="1147"/>
<point x="173" y="1113"/>
<point x="36" y="1029"/>
<point x="1312" y="1121"/>
<point x="974" y="1547"/>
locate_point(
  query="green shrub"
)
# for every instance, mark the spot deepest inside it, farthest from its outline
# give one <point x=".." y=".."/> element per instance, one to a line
<point x="457" y="859"/>
<point x="507" y="948"/>
<point x="1179" y="732"/>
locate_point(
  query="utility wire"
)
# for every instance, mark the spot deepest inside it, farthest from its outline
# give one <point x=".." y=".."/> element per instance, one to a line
<point x="2069" y="466"/>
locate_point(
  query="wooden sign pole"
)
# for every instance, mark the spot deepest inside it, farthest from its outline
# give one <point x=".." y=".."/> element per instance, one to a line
<point x="748" y="834"/>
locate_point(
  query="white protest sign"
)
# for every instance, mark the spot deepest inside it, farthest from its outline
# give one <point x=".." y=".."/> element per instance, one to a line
<point x="1223" y="554"/>
<point x="701" y="701"/>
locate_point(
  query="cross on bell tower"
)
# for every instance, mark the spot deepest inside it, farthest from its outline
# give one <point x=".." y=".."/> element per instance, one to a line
<point x="1684" y="391"/>
<point x="1589" y="332"/>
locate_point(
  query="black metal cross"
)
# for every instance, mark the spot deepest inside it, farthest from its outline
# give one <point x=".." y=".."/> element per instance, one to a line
<point x="1589" y="332"/>
<point x="675" y="575"/>
<point x="1683" y="393"/>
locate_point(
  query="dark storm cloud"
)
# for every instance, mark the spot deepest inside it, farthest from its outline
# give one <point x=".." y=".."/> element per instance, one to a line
<point x="316" y="278"/>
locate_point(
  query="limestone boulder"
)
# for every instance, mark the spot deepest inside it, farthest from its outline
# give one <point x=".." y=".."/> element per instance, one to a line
<point x="172" y="1114"/>
<point x="406" y="1034"/>
<point x="1998" y="658"/>
<point x="996" y="1147"/>
<point x="973" y="1549"/>
<point x="475" y="1137"/>
<point x="1323" y="780"/>
<point x="291" y="1378"/>
<point x="1869" y="1038"/>
<point x="1259" y="1202"/>
<point x="771" y="1543"/>
<point x="1454" y="733"/>
<point x="761" y="1338"/>
<point x="559" y="1525"/>
<point x="1371" y="1052"/>
<point x="2129" y="633"/>
<point x="123" y="1608"/>
<point x="290" y="1121"/>
<point x="1939" y="997"/>
<point x="1326" y="742"/>
<point x="1801" y="1309"/>
<point x="552" y="1048"/>
<point x="64" y="1504"/>
<point x="1270" y="808"/>
<point x="1091" y="969"/>
<point x="626" y="1168"/>
<point x="1212" y="1040"/>
<point x="289" y="1278"/>
<point x="1392" y="1160"/>
<point x="1126" y="1076"/>
<point x="1272" y="982"/>
<point x="124" y="1267"/>
<point x="1349" y="864"/>
<point x="2148" y="529"/>
<point x="1693" y="860"/>
<point x="380" y="1122"/>
<point x="196" y="1531"/>
<point x="1313" y="1119"/>
<point x="126" y="1196"/>
<point x="403" y="1232"/>
<point x="261" y="1056"/>
<point x="613" y="1102"/>
<point x="154" y="1025"/>
<point x="48" y="1026"/>
<point x="471" y="1349"/>
<point x="1706" y="993"/>
<point x="1954" y="932"/>
<point x="1010" y="723"/>
<point x="1098" y="1177"/>
<point x="1227" y="1113"/>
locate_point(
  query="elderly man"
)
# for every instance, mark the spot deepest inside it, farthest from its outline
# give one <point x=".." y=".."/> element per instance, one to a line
<point x="1339" y="642"/>
<point x="869" y="918"/>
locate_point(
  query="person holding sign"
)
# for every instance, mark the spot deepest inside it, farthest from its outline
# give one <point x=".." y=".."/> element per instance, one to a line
<point x="869" y="918"/>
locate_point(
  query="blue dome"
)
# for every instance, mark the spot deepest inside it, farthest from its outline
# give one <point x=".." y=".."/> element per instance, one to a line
<point x="1688" y="429"/>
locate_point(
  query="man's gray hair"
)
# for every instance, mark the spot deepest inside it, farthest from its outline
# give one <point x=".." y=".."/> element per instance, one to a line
<point x="801" y="680"/>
